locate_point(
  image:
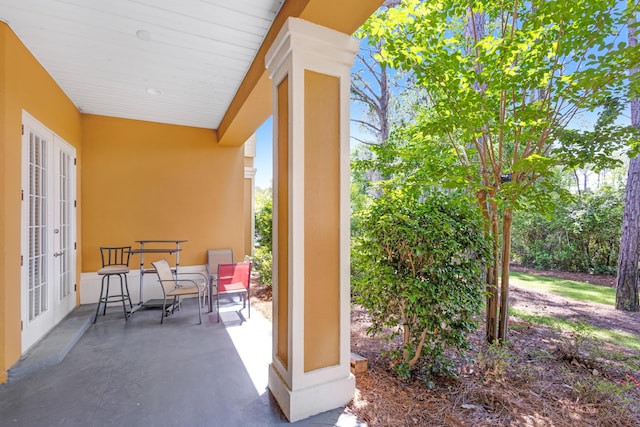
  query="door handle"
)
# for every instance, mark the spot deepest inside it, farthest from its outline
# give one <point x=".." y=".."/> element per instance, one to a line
<point x="56" y="254"/>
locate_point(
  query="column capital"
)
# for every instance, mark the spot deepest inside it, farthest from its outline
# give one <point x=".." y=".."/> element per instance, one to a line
<point x="305" y="39"/>
<point x="250" y="172"/>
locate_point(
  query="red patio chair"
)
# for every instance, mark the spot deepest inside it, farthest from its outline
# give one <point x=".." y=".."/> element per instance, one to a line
<point x="234" y="279"/>
<point x="215" y="257"/>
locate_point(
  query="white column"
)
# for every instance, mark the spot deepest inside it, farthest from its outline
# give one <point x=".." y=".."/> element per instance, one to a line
<point x="309" y="66"/>
<point x="250" y="181"/>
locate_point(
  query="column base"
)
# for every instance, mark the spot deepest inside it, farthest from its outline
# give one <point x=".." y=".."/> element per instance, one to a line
<point x="300" y="404"/>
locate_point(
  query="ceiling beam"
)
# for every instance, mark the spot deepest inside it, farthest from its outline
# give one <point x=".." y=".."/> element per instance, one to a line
<point x="251" y="105"/>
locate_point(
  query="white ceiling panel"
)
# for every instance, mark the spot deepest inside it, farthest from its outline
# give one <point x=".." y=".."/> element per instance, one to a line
<point x="108" y="55"/>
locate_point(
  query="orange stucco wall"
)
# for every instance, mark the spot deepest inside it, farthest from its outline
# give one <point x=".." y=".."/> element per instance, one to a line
<point x="248" y="194"/>
<point x="322" y="221"/>
<point x="151" y="181"/>
<point x="24" y="84"/>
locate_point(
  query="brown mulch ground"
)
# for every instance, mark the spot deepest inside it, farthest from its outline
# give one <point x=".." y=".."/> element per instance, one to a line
<point x="599" y="315"/>
<point x="542" y="378"/>
<point x="261" y="297"/>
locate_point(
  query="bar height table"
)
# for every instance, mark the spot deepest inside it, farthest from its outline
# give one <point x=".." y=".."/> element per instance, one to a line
<point x="175" y="249"/>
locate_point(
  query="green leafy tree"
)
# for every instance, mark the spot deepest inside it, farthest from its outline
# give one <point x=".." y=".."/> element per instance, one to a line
<point x="419" y="273"/>
<point x="499" y="99"/>
<point x="580" y="235"/>
<point x="597" y="224"/>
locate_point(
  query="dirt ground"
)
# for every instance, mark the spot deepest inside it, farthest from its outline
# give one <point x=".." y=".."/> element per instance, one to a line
<point x="542" y="378"/>
<point x="600" y="315"/>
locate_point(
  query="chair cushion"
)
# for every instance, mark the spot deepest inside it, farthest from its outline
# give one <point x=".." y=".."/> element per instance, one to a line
<point x="114" y="269"/>
<point x="234" y="288"/>
<point x="186" y="290"/>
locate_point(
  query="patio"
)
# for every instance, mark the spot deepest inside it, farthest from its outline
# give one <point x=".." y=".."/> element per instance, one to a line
<point x="133" y="120"/>
<point x="140" y="372"/>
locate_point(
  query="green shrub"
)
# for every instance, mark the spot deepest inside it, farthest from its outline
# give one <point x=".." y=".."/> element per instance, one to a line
<point x="262" y="257"/>
<point x="262" y="263"/>
<point x="418" y="270"/>
<point x="264" y="218"/>
<point x="582" y="235"/>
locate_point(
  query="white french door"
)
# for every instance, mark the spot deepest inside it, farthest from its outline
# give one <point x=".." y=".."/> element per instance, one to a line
<point x="48" y="230"/>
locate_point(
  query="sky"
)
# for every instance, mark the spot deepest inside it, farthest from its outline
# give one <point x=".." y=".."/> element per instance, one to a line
<point x="264" y="158"/>
<point x="264" y="148"/>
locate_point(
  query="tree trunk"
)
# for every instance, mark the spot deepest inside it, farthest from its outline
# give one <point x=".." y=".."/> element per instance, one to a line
<point x="491" y="274"/>
<point x="492" y="304"/>
<point x="503" y="321"/>
<point x="627" y="287"/>
<point x="490" y="212"/>
<point x="474" y="31"/>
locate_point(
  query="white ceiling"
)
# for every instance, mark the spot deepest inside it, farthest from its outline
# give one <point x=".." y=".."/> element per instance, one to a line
<point x="110" y="56"/>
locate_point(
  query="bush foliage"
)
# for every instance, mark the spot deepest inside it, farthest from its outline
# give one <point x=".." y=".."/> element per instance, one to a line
<point x="418" y="269"/>
<point x="262" y="257"/>
<point x="583" y="235"/>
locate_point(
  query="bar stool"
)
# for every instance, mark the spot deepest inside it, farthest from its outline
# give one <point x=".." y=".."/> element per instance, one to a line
<point x="115" y="262"/>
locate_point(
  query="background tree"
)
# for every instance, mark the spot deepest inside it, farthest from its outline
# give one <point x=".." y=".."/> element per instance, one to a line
<point x="388" y="98"/>
<point x="627" y="283"/>
<point x="371" y="86"/>
<point x="538" y="64"/>
<point x="580" y="234"/>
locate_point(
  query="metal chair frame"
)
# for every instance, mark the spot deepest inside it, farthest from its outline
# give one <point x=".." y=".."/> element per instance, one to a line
<point x="115" y="262"/>
<point x="176" y="286"/>
<point x="230" y="282"/>
<point x="215" y="257"/>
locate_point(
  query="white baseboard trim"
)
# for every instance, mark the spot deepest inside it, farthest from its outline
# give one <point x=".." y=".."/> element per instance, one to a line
<point x="90" y="283"/>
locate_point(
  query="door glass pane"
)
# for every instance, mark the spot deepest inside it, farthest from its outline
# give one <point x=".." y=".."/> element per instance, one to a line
<point x="66" y="277"/>
<point x="37" y="262"/>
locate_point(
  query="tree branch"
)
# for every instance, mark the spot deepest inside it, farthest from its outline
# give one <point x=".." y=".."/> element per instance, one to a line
<point x="367" y="124"/>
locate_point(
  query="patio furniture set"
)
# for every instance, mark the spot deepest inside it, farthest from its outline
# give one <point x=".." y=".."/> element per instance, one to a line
<point x="223" y="277"/>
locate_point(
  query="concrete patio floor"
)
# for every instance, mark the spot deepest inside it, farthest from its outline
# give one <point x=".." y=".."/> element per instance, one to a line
<point x="142" y="373"/>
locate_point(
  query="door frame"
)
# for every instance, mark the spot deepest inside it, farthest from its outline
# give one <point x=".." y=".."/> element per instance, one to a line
<point x="63" y="304"/>
<point x="34" y="329"/>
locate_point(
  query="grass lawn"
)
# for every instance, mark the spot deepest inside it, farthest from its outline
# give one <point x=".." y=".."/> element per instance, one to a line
<point x="567" y="288"/>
